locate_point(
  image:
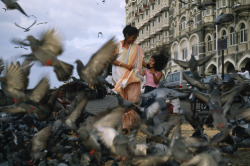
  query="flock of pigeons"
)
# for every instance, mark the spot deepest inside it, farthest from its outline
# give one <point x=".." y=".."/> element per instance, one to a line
<point x="37" y="130"/>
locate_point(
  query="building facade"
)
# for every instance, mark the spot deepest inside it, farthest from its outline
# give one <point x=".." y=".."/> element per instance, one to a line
<point x="184" y="29"/>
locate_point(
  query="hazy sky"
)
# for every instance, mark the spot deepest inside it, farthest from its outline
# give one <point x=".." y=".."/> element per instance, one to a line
<point x="78" y="21"/>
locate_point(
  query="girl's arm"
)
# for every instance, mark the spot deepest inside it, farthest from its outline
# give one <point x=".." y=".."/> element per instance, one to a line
<point x="157" y="78"/>
<point x="143" y="73"/>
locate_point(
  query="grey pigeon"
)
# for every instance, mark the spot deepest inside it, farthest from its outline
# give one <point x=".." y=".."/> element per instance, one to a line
<point x="71" y="119"/>
<point x="12" y="4"/>
<point x="39" y="142"/>
<point x="46" y="50"/>
<point x="14" y="82"/>
<point x="222" y="18"/>
<point x="203" y="5"/>
<point x="98" y="63"/>
<point x="193" y="64"/>
<point x="28" y="28"/>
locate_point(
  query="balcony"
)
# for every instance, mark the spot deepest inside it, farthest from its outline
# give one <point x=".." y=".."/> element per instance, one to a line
<point x="158" y="43"/>
<point x="243" y="47"/>
<point x="153" y="47"/>
<point x="145" y="6"/>
<point x="165" y="40"/>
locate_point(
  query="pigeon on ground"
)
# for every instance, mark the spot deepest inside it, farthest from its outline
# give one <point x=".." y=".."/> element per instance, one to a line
<point x="12" y="4"/>
<point x="45" y="50"/>
<point x="98" y="63"/>
<point x="28" y="28"/>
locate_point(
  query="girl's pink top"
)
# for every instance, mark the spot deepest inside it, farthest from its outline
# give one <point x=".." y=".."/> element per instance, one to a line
<point x="150" y="79"/>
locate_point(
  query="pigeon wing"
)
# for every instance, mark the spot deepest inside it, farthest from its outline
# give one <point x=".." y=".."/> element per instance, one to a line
<point x="183" y="64"/>
<point x="19" y="26"/>
<point x="99" y="62"/>
<point x="202" y="96"/>
<point x="32" y="24"/>
<point x="52" y="42"/>
<point x="195" y="83"/>
<point x="39" y="140"/>
<point x="41" y="89"/>
<point x="202" y="61"/>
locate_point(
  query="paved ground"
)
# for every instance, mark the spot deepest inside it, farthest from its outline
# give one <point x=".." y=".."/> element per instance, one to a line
<point x="99" y="105"/>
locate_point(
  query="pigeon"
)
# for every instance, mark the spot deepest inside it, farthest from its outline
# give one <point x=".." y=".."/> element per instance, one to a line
<point x="22" y="47"/>
<point x="28" y="28"/>
<point x="12" y="4"/>
<point x="203" y="5"/>
<point x="99" y="33"/>
<point x="41" y="23"/>
<point x="46" y="51"/>
<point x="222" y="18"/>
<point x="71" y="119"/>
<point x="245" y="114"/>
<point x="39" y="142"/>
<point x="183" y="2"/>
<point x="98" y="62"/>
<point x="14" y="82"/>
<point x="236" y="5"/>
<point x="193" y="64"/>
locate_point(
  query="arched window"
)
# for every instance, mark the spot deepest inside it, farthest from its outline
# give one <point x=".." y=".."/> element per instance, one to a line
<point x="232" y="36"/>
<point x="224" y="34"/>
<point x="183" y="23"/>
<point x="209" y="43"/>
<point x="215" y="41"/>
<point x="243" y="33"/>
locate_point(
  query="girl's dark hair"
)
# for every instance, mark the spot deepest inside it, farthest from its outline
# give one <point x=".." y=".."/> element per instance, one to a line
<point x="161" y="60"/>
<point x="130" y="31"/>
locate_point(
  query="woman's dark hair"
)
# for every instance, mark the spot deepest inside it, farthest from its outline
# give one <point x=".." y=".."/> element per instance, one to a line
<point x="130" y="31"/>
<point x="161" y="60"/>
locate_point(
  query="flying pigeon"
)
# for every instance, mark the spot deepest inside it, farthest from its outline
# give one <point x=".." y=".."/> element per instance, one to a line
<point x="222" y="18"/>
<point x="193" y="64"/>
<point x="203" y="5"/>
<point x="98" y="62"/>
<point x="46" y="50"/>
<point x="28" y="28"/>
<point x="12" y="4"/>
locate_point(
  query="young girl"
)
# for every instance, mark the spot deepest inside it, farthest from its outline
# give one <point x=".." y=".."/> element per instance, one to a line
<point x="153" y="75"/>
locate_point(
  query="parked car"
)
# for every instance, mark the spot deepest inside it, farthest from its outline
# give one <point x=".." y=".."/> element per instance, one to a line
<point x="227" y="77"/>
<point x="176" y="80"/>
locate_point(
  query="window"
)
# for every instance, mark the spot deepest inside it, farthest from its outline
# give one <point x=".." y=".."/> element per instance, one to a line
<point x="147" y="43"/>
<point x="223" y="3"/>
<point x="195" y="50"/>
<point x="147" y="28"/>
<point x="184" y="53"/>
<point x="138" y="20"/>
<point x="159" y="19"/>
<point x="209" y="43"/>
<point x="215" y="41"/>
<point x="146" y="12"/>
<point x="166" y="33"/>
<point x="232" y="37"/>
<point x="243" y="33"/>
<point x="142" y="31"/>
<point x="153" y="6"/>
<point x="182" y="5"/>
<point x="142" y="16"/>
<point x="159" y="2"/>
<point x="176" y="55"/>
<point x="153" y="23"/>
<point x="224" y="34"/>
<point x="166" y="14"/>
<point x="159" y="37"/>
<point x="183" y="23"/>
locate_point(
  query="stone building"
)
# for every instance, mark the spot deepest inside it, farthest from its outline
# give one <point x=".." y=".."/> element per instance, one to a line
<point x="184" y="29"/>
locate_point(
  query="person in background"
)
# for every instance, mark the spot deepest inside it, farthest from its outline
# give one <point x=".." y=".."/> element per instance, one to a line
<point x="153" y="75"/>
<point x="63" y="100"/>
<point x="130" y="56"/>
<point x="244" y="73"/>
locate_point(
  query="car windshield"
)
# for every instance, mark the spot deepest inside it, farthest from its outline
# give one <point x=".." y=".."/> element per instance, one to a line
<point x="187" y="73"/>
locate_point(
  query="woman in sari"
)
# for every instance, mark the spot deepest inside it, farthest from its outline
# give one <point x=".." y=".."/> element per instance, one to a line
<point x="130" y="56"/>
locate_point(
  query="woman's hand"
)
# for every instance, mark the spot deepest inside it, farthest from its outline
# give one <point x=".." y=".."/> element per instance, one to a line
<point x="129" y="67"/>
